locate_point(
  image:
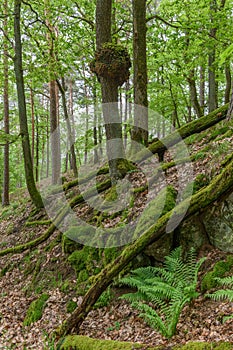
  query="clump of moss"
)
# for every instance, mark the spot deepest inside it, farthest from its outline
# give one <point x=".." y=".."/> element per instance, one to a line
<point x="78" y="342"/>
<point x="35" y="310"/>
<point x="220" y="269"/>
<point x="84" y="259"/>
<point x="112" y="62"/>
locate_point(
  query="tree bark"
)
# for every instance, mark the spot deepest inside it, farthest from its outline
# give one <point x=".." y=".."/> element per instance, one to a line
<point x="34" y="194"/>
<point x="193" y="94"/>
<point x="139" y="132"/>
<point x="70" y="138"/>
<point x="6" y="170"/>
<point x="109" y="89"/>
<point x="228" y="82"/>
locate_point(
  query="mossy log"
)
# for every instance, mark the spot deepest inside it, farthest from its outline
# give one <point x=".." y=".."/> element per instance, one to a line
<point x="185" y="131"/>
<point x="60" y="216"/>
<point x="85" y="343"/>
<point x="160" y="146"/>
<point x="216" y="190"/>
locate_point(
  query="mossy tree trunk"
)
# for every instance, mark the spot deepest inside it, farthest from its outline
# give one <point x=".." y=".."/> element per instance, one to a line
<point x="219" y="187"/>
<point x="18" y="66"/>
<point x="185" y="131"/>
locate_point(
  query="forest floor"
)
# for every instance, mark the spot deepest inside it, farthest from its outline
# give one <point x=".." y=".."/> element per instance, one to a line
<point x="45" y="270"/>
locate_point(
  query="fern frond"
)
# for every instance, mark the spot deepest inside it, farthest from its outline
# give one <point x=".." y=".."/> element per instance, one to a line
<point x="221" y="294"/>
<point x="151" y="317"/>
<point x="132" y="281"/>
<point x="225" y="281"/>
<point x="169" y="288"/>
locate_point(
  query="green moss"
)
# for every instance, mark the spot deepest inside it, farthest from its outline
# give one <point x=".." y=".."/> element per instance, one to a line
<point x="71" y="306"/>
<point x="217" y="132"/>
<point x="199" y="155"/>
<point x="35" y="310"/>
<point x="69" y="245"/>
<point x="111" y="194"/>
<point x="220" y="269"/>
<point x="77" y="342"/>
<point x="163" y="203"/>
<point x="200" y="181"/>
<point x="104" y="299"/>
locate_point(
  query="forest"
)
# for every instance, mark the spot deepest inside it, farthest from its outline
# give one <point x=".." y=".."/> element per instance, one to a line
<point x="116" y="181"/>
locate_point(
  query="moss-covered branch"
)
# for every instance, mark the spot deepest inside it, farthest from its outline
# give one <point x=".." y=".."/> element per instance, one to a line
<point x="60" y="216"/>
<point x="185" y="131"/>
<point x="220" y="186"/>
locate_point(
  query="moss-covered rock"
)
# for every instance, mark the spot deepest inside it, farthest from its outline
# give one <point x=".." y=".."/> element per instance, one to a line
<point x="160" y="205"/>
<point x="35" y="310"/>
<point x="220" y="269"/>
<point x="163" y="203"/>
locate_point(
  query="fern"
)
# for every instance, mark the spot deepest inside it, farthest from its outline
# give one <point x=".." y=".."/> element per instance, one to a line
<point x="168" y="288"/>
<point x="223" y="293"/>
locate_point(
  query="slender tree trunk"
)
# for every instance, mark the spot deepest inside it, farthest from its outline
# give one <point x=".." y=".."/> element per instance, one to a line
<point x="33" y="124"/>
<point x="53" y="92"/>
<point x="62" y="89"/>
<point x="35" y="196"/>
<point x="228" y="82"/>
<point x="230" y="109"/>
<point x="95" y="130"/>
<point x="193" y="94"/>
<point x="202" y="89"/>
<point x="6" y="171"/>
<point x="139" y="132"/>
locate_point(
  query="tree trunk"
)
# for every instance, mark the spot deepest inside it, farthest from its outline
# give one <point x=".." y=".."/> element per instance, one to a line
<point x="70" y="138"/>
<point x="230" y="109"/>
<point x="54" y="118"/>
<point x="139" y="132"/>
<point x="228" y="82"/>
<point x="109" y="89"/>
<point x="193" y="94"/>
<point x="6" y="171"/>
<point x="34" y="194"/>
<point x="54" y="134"/>
<point x="202" y="89"/>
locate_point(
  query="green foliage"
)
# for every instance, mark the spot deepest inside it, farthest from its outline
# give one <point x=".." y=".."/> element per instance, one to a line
<point x="104" y="299"/>
<point x="200" y="181"/>
<point x="209" y="281"/>
<point x="35" y="310"/>
<point x="223" y="293"/>
<point x="71" y="306"/>
<point x="169" y="288"/>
